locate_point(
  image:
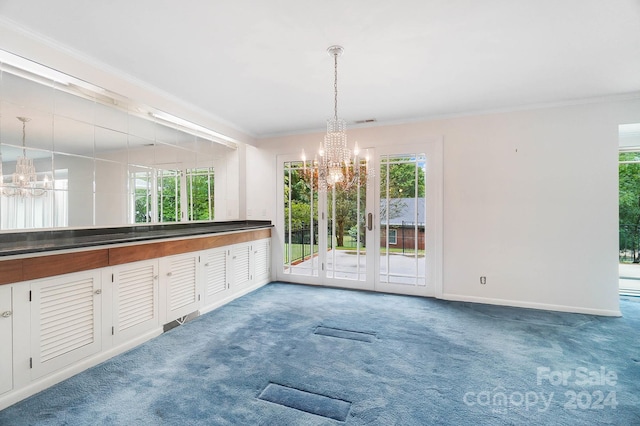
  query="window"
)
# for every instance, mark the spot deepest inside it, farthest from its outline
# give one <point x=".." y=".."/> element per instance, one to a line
<point x="393" y="236"/>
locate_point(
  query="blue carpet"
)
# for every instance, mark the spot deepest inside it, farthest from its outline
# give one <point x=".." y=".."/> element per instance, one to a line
<point x="431" y="362"/>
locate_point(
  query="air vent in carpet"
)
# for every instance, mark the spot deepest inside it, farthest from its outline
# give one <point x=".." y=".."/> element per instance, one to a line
<point x="345" y="334"/>
<point x="308" y="402"/>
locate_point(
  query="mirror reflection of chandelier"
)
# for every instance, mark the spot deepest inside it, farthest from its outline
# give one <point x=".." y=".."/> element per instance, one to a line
<point x="24" y="181"/>
<point x="337" y="164"/>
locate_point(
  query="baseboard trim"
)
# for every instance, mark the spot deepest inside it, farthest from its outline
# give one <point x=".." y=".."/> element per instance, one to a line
<point x="532" y="305"/>
<point x="232" y="297"/>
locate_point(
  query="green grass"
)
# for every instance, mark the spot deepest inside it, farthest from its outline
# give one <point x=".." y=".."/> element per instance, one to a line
<point x="349" y="243"/>
<point x="296" y="251"/>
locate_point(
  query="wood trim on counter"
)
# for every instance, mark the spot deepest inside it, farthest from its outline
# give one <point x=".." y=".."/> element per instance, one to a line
<point x="59" y="264"/>
<point x="30" y="268"/>
<point x="11" y="271"/>
<point x="128" y="254"/>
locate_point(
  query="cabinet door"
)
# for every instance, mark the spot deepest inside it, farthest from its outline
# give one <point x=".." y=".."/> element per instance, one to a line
<point x="6" y="337"/>
<point x="262" y="260"/>
<point x="216" y="274"/>
<point x="180" y="281"/>
<point x="135" y="299"/>
<point x="241" y="259"/>
<point x="65" y="320"/>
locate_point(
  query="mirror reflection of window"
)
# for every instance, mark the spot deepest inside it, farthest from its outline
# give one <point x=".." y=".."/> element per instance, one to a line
<point x="158" y="195"/>
<point x="111" y="161"/>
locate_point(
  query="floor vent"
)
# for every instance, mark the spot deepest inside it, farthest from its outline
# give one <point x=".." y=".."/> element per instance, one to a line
<point x="345" y="334"/>
<point x="175" y="323"/>
<point x="309" y="402"/>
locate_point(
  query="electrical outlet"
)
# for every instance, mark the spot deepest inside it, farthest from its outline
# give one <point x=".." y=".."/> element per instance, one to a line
<point x="483" y="280"/>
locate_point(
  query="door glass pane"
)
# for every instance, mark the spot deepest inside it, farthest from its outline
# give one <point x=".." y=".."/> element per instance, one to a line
<point x="402" y="219"/>
<point x="300" y="219"/>
<point x="346" y="206"/>
<point x="629" y="222"/>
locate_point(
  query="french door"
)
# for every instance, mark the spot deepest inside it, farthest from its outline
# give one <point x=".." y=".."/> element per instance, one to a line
<point x="380" y="229"/>
<point x="327" y="232"/>
<point x="409" y="237"/>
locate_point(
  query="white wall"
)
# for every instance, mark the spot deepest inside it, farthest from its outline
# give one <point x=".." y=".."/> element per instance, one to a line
<point x="260" y="193"/>
<point x="530" y="201"/>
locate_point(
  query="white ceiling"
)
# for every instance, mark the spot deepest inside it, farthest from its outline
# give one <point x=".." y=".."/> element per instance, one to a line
<point x="262" y="66"/>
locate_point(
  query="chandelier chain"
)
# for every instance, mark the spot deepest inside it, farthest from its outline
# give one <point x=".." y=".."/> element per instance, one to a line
<point x="335" y="85"/>
<point x="24" y="134"/>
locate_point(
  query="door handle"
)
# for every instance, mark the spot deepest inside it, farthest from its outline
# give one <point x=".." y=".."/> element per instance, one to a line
<point x="370" y="221"/>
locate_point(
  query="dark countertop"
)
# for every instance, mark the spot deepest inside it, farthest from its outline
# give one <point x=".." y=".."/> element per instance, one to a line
<point x="29" y="242"/>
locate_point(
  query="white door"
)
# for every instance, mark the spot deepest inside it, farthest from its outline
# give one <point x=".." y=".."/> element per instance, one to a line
<point x="326" y="233"/>
<point x="382" y="231"/>
<point x="6" y="336"/>
<point x="65" y="320"/>
<point x="179" y="282"/>
<point x="135" y="299"/>
<point x="409" y="237"/>
<point x="216" y="275"/>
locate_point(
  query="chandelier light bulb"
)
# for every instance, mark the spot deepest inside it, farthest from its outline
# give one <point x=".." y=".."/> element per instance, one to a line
<point x="24" y="182"/>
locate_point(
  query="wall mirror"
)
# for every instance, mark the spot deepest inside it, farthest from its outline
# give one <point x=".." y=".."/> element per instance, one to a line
<point x="75" y="155"/>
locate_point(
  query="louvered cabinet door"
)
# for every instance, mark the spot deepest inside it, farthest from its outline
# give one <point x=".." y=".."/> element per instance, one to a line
<point x="179" y="276"/>
<point x="241" y="260"/>
<point x="135" y="299"/>
<point x="262" y="260"/>
<point x="216" y="274"/>
<point x="65" y="319"/>
<point x="6" y="337"/>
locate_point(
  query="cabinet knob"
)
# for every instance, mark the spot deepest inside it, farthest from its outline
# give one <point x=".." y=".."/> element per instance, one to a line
<point x="207" y="264"/>
<point x="169" y="274"/>
<point x="98" y="291"/>
<point x="7" y="314"/>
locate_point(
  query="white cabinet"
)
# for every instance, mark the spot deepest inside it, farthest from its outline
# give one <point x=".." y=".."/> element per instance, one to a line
<point x="65" y="323"/>
<point x="179" y="284"/>
<point x="216" y="274"/>
<point x="241" y="263"/>
<point x="251" y="263"/>
<point x="65" y="320"/>
<point x="232" y="270"/>
<point x="262" y="260"/>
<point x="6" y="337"/>
<point x="135" y="299"/>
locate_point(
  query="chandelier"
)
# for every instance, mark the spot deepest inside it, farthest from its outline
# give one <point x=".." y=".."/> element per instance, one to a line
<point x="337" y="164"/>
<point x="24" y="181"/>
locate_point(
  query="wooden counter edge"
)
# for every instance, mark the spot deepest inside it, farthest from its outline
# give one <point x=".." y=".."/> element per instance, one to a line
<point x="31" y="268"/>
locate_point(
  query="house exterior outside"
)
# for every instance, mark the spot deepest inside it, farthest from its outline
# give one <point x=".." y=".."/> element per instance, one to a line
<point x="405" y="226"/>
